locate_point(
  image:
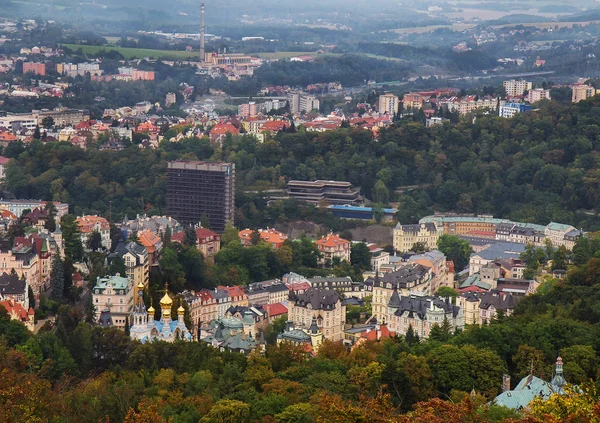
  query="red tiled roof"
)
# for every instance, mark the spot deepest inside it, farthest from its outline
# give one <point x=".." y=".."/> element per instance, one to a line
<point x="375" y="335"/>
<point x="148" y="239"/>
<point x="87" y="224"/>
<point x="471" y="288"/>
<point x="273" y="125"/>
<point x="17" y="309"/>
<point x="224" y="128"/>
<point x="298" y="286"/>
<point x="178" y="237"/>
<point x="276" y="309"/>
<point x="3" y="160"/>
<point x="203" y="233"/>
<point x="331" y="241"/>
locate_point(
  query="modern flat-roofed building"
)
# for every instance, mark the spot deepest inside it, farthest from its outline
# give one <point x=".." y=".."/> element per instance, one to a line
<point x="196" y="188"/>
<point x="582" y="92"/>
<point x="334" y="192"/>
<point x="388" y="103"/>
<point x="515" y="88"/>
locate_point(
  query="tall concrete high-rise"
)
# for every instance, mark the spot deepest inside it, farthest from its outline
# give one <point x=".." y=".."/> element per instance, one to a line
<point x="196" y="188"/>
<point x="202" y="31"/>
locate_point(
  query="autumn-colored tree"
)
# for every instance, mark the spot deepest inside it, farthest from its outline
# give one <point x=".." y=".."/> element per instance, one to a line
<point x="293" y="391"/>
<point x="149" y="412"/>
<point x="367" y="378"/>
<point x="440" y="411"/>
<point x="284" y="355"/>
<point x="23" y="396"/>
<point x="577" y="404"/>
<point x="365" y="353"/>
<point x="258" y="371"/>
<point x="419" y="376"/>
<point x="332" y="350"/>
<point x="227" y="411"/>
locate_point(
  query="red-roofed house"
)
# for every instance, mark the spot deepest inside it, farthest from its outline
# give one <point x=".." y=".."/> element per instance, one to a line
<point x="152" y="243"/>
<point x="7" y="137"/>
<point x="237" y="294"/>
<point x="89" y="224"/>
<point x="77" y="279"/>
<point x="270" y="236"/>
<point x="208" y="243"/>
<point x="147" y="127"/>
<point x="332" y="246"/>
<point x="273" y="126"/>
<point x="275" y="310"/>
<point x="220" y="131"/>
<point x="17" y="312"/>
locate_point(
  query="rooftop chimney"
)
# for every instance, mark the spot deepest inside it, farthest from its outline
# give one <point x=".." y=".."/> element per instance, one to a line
<point x="202" y="30"/>
<point x="505" y="383"/>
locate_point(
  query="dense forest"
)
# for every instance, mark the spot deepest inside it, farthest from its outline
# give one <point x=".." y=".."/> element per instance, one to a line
<point x="79" y="373"/>
<point x="537" y="167"/>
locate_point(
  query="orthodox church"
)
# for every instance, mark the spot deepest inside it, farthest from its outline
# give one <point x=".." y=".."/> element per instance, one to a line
<point x="531" y="387"/>
<point x="146" y="329"/>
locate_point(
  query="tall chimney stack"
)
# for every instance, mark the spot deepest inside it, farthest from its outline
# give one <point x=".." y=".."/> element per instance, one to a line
<point x="202" y="30"/>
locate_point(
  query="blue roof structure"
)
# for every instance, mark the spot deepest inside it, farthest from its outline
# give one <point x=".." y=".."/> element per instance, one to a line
<point x="532" y="387"/>
<point x="356" y="212"/>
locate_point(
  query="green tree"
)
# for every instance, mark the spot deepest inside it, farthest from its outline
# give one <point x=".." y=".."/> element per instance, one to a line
<point x="455" y="249"/>
<point x="227" y="411"/>
<point x="205" y="221"/>
<point x="71" y="238"/>
<point x="297" y="413"/>
<point x="117" y="266"/>
<point x="360" y="255"/>
<point x="446" y="292"/>
<point x="230" y="234"/>
<point x="560" y="258"/>
<point x="255" y="238"/>
<point x="580" y="364"/>
<point x="50" y="223"/>
<point x="190" y="237"/>
<point x="57" y="278"/>
<point x="419" y="248"/>
<point x="172" y="270"/>
<point x="94" y="241"/>
<point x="48" y="122"/>
<point x="381" y="193"/>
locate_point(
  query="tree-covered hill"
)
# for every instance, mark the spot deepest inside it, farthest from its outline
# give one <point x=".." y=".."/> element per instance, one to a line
<point x="537" y="167"/>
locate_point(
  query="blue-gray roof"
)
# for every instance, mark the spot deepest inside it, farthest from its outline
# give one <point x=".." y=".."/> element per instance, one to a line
<point x="529" y="388"/>
<point x="500" y="250"/>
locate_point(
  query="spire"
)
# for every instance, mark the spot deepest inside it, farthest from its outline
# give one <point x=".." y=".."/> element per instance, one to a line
<point x="314" y="329"/>
<point x="165" y="304"/>
<point x="395" y="301"/>
<point x="559" y="380"/>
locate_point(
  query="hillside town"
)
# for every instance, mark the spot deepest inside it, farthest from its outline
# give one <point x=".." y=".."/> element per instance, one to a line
<point x="334" y="221"/>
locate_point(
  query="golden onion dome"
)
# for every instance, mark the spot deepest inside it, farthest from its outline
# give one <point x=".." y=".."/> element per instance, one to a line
<point x="140" y="286"/>
<point x="151" y="310"/>
<point x="166" y="301"/>
<point x="181" y="310"/>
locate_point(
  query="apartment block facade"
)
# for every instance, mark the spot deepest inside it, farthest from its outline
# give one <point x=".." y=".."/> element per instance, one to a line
<point x="196" y="188"/>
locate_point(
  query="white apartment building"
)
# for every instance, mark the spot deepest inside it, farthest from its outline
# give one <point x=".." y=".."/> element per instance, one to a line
<point x="388" y="103"/>
<point x="515" y="88"/>
<point x="538" y="94"/>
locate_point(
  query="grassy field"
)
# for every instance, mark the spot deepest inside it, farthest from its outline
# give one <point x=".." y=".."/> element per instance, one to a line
<point x="137" y="52"/>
